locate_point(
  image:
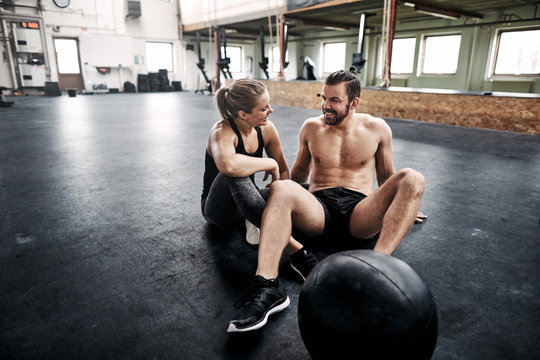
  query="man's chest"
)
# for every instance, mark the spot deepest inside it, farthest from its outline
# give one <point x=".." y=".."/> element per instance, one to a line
<point x="352" y="150"/>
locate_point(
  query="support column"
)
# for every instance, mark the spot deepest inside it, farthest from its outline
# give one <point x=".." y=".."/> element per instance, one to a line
<point x="282" y="45"/>
<point x="389" y="26"/>
<point x="15" y="83"/>
<point x="357" y="60"/>
<point x="217" y="85"/>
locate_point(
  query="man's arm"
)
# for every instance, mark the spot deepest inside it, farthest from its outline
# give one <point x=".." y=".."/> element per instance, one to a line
<point x="384" y="161"/>
<point x="384" y="157"/>
<point x="302" y="164"/>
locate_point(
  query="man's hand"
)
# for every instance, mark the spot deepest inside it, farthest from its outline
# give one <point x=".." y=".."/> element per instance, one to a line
<point x="420" y="217"/>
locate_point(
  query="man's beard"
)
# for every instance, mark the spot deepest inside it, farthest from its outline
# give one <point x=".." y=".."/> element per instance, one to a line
<point x="338" y="118"/>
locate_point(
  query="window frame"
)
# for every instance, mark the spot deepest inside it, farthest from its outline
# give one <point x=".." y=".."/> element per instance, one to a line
<point x="324" y="54"/>
<point x="77" y="50"/>
<point x="172" y="55"/>
<point x="241" y="60"/>
<point x="401" y="74"/>
<point x="422" y="54"/>
<point x="495" y="52"/>
<point x="278" y="62"/>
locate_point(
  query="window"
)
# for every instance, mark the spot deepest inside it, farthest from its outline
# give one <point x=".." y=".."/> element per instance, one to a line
<point x="334" y="57"/>
<point x="159" y="56"/>
<point x="441" y="54"/>
<point x="403" y="56"/>
<point x="235" y="54"/>
<point x="275" y="60"/>
<point x="67" y="55"/>
<point x="518" y="53"/>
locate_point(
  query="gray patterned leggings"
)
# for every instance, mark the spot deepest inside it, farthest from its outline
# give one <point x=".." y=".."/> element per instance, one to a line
<point x="231" y="199"/>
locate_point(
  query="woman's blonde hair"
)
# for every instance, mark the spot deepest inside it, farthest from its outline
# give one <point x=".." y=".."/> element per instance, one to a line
<point x="240" y="95"/>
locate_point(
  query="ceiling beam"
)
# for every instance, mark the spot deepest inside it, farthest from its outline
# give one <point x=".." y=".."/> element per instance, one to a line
<point x="325" y="4"/>
<point x="314" y="22"/>
<point x="438" y="10"/>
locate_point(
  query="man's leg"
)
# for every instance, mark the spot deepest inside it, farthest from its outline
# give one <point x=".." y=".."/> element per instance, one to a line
<point x="391" y="209"/>
<point x="293" y="245"/>
<point x="289" y="203"/>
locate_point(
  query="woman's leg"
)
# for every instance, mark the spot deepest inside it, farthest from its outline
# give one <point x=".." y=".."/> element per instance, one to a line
<point x="230" y="199"/>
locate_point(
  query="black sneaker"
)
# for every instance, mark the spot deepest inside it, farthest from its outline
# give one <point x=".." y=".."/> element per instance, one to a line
<point x="303" y="262"/>
<point x="265" y="298"/>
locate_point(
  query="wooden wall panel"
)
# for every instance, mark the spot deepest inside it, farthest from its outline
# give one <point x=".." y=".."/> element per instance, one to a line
<point x="517" y="114"/>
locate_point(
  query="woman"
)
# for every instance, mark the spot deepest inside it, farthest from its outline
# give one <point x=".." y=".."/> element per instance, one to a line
<point x="235" y="153"/>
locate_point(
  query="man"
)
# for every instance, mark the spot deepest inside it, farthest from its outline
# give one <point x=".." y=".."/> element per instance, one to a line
<point x="342" y="150"/>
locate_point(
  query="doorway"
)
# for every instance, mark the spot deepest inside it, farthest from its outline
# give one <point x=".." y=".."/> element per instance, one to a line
<point x="69" y="65"/>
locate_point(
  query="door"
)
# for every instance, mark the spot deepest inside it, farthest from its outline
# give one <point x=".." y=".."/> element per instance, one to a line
<point x="69" y="65"/>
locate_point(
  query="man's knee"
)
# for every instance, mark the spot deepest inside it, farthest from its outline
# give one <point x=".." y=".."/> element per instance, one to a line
<point x="284" y="193"/>
<point x="281" y="189"/>
<point x="412" y="180"/>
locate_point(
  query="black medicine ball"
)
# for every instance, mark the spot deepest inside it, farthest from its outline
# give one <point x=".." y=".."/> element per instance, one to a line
<point x="363" y="304"/>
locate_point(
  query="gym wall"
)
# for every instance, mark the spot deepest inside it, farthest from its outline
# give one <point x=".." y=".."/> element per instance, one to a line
<point x="496" y="111"/>
<point x="106" y="36"/>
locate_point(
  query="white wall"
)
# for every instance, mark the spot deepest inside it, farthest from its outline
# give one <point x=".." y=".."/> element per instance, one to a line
<point x="204" y="14"/>
<point x="5" y="71"/>
<point x="106" y="37"/>
<point x="221" y="12"/>
<point x="110" y="39"/>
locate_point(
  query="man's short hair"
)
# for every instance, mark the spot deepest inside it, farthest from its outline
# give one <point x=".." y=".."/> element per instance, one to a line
<point x="349" y="77"/>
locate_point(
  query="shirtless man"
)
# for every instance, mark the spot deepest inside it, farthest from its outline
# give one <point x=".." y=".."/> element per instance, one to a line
<point x="342" y="150"/>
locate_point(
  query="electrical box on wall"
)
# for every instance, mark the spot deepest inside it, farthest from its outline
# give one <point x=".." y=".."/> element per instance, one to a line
<point x="29" y="54"/>
<point x="32" y="75"/>
<point x="27" y="40"/>
<point x="133" y="8"/>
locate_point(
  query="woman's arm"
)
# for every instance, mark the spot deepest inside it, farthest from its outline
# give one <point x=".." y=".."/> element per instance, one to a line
<point x="274" y="150"/>
<point x="228" y="162"/>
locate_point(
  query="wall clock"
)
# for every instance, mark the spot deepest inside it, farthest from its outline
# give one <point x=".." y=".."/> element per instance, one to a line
<point x="61" y="3"/>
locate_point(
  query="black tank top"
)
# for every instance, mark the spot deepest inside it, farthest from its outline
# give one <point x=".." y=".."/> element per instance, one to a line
<point x="210" y="168"/>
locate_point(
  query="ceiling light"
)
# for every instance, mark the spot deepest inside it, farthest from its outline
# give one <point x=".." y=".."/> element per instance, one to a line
<point x="443" y="13"/>
<point x="371" y="10"/>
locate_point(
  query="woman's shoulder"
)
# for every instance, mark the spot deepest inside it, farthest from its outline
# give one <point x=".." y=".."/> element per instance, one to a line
<point x="268" y="130"/>
<point x="220" y="130"/>
<point x="222" y="126"/>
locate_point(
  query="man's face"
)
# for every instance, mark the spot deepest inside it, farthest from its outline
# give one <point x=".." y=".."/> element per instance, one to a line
<point x="335" y="103"/>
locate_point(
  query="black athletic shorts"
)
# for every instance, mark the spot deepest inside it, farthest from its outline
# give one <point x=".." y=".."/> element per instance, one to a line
<point x="338" y="204"/>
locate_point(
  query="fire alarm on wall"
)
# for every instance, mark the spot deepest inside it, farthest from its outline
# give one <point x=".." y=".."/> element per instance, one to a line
<point x="61" y="3"/>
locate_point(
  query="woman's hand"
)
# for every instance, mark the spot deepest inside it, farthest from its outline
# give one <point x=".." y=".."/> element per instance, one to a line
<point x="273" y="173"/>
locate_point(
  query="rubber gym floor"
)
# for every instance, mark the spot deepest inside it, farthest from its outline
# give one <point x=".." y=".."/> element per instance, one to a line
<point x="104" y="253"/>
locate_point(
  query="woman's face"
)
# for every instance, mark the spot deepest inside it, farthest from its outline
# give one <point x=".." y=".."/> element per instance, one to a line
<point x="260" y="112"/>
